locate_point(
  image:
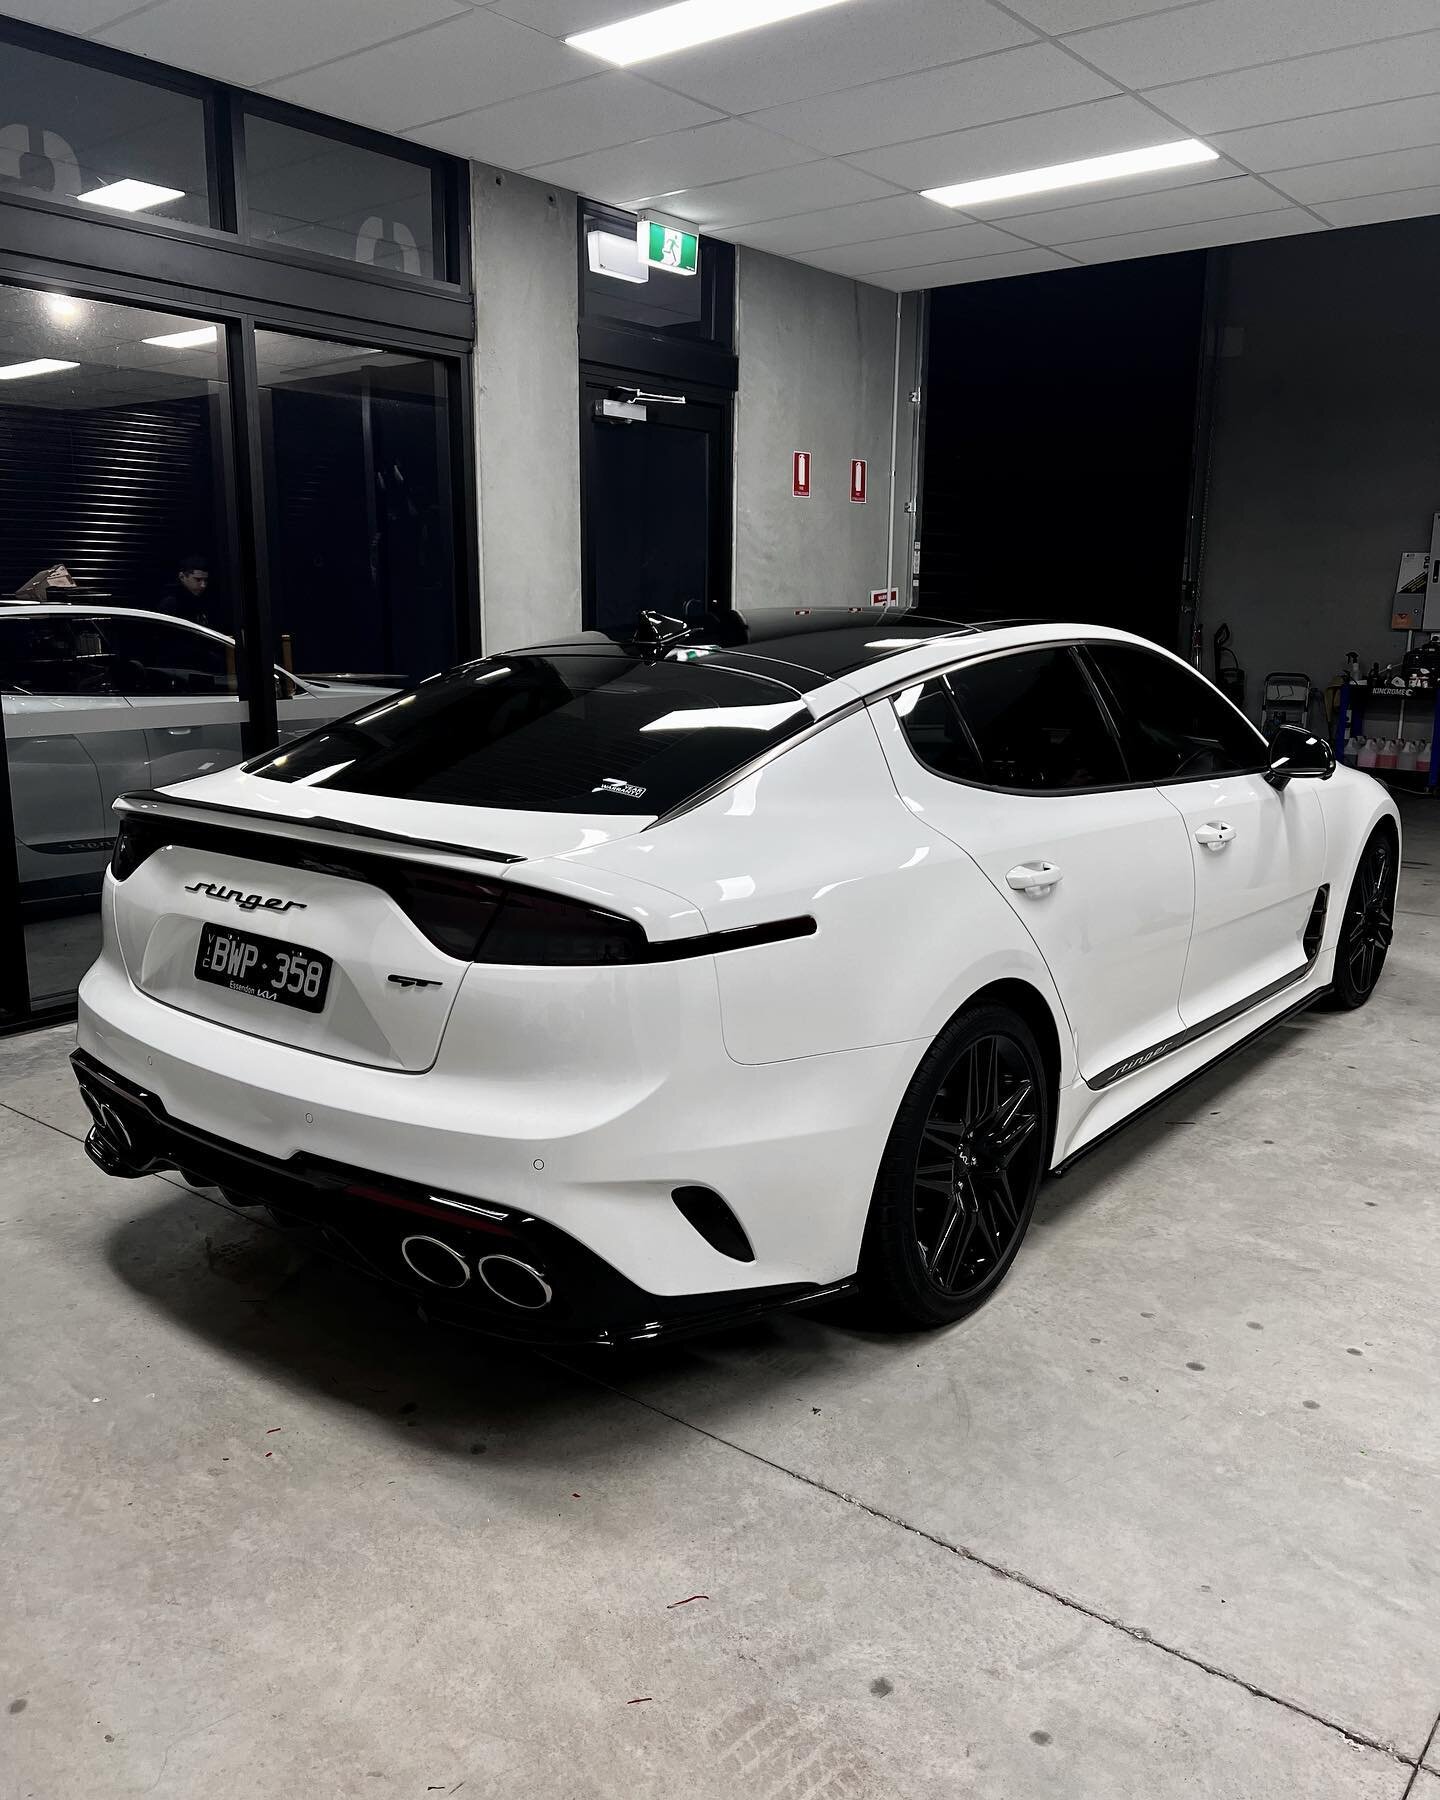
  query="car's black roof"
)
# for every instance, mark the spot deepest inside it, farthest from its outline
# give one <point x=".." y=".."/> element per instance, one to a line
<point x="805" y="647"/>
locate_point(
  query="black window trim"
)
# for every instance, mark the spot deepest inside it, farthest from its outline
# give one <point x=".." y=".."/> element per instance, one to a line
<point x="1076" y="648"/>
<point x="225" y="107"/>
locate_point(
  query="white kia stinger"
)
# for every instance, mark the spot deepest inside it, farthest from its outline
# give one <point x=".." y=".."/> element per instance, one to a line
<point x="598" y="991"/>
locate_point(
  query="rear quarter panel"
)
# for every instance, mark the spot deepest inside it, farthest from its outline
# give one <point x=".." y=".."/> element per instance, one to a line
<point x="908" y="926"/>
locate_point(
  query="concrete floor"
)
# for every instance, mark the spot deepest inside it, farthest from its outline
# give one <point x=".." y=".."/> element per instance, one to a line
<point x="1164" y="1519"/>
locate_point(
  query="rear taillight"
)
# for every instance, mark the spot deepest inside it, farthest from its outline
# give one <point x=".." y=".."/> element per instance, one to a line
<point x="453" y="911"/>
<point x="136" y="840"/>
<point x="479" y="921"/>
<point x="536" y="928"/>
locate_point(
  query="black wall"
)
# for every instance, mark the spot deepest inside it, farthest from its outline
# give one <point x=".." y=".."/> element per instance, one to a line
<point x="1058" y="445"/>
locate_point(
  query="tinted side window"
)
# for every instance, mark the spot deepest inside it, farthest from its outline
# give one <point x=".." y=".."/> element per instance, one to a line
<point x="151" y="658"/>
<point x="1173" y="723"/>
<point x="1037" y="723"/>
<point x="937" y="735"/>
<point x="52" y="655"/>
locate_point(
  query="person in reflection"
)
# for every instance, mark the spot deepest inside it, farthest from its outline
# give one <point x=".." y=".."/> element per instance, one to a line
<point x="187" y="596"/>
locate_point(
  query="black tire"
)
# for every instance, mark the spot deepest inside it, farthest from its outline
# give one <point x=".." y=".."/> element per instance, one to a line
<point x="1369" y="922"/>
<point x="957" y="1185"/>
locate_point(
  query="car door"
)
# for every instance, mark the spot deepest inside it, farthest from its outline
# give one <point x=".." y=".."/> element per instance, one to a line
<point x="1012" y="758"/>
<point x="1258" y="851"/>
<point x="180" y="682"/>
<point x="57" y="713"/>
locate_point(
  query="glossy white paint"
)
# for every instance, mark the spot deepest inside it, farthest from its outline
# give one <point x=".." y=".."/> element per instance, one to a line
<point x="771" y="1073"/>
<point x="1113" y="920"/>
<point x="1259" y="858"/>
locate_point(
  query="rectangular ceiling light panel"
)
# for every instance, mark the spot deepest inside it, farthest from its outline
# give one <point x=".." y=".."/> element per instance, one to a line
<point x="186" y="340"/>
<point x="131" y="196"/>
<point x="681" y="27"/>
<point x="1075" y="174"/>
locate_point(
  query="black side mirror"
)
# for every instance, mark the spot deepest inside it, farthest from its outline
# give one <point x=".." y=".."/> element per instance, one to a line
<point x="1298" y="755"/>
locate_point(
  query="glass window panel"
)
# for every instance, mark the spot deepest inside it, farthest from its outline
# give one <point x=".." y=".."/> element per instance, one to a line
<point x="109" y="470"/>
<point x="1036" y="723"/>
<point x="68" y="130"/>
<point x="657" y="301"/>
<point x="359" y="503"/>
<point x="310" y="192"/>
<point x="1173" y="722"/>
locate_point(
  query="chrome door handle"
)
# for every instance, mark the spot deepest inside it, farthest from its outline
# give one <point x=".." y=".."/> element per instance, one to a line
<point x="1034" y="879"/>
<point x="1216" y="835"/>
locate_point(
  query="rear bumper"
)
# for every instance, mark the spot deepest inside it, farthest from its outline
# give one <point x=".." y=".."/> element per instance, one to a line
<point x="589" y="1154"/>
<point x="566" y="1293"/>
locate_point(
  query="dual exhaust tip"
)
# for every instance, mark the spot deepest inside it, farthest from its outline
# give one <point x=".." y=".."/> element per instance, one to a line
<point x="509" y="1279"/>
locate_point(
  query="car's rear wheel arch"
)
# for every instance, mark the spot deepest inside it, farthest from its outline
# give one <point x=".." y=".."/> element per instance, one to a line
<point x="1029" y="1004"/>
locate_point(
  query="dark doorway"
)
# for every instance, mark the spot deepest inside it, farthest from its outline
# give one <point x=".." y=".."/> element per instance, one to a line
<point x="655" y="461"/>
<point x="1059" y="423"/>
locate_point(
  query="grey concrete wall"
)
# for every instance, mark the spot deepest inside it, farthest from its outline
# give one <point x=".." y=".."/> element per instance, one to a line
<point x="527" y="408"/>
<point x="1326" y="452"/>
<point x="817" y="373"/>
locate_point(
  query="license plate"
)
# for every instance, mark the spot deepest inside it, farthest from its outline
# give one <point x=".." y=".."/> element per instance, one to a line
<point x="263" y="968"/>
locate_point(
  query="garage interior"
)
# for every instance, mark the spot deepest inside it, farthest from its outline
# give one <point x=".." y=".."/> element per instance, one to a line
<point x="1160" y="1517"/>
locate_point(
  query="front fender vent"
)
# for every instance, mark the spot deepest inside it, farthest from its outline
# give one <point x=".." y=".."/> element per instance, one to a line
<point x="1315" y="924"/>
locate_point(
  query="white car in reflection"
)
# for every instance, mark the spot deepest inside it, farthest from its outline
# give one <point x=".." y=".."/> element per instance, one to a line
<point x="101" y="700"/>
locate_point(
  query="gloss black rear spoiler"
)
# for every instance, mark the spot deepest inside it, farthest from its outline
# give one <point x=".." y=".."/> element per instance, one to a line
<point x="150" y="804"/>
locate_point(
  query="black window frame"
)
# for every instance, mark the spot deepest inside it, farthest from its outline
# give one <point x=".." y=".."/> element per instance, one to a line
<point x="1108" y="710"/>
<point x="225" y="107"/>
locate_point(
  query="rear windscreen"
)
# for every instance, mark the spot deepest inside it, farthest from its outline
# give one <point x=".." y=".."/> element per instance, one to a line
<point x="573" y="731"/>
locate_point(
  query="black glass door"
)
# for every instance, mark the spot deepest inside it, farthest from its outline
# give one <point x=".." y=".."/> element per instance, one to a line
<point x="656" y="494"/>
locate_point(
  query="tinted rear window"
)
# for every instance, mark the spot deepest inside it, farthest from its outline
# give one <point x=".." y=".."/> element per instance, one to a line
<point x="596" y="732"/>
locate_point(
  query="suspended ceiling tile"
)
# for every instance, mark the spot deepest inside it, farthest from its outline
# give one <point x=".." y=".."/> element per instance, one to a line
<point x="840" y="47"/>
<point x="1356" y="175"/>
<point x="970" y="268"/>
<point x="1091" y="130"/>
<point x="1009" y="85"/>
<point x="956" y="243"/>
<point x="259" y="40"/>
<point x="1075" y="15"/>
<point x="68" y="15"/>
<point x="596" y="114"/>
<point x="1395" y="70"/>
<point x="1205" y="235"/>
<point x="1357" y="131"/>
<point x="469" y="61"/>
<point x="559" y="18"/>
<point x="898" y="216"/>
<point x="674" y="161"/>
<point x="1373" y="209"/>
<point x="778" y="194"/>
<point x="1233" y="198"/>
<point x="1189" y="41"/>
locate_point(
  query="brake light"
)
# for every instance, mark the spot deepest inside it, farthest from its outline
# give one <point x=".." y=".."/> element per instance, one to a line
<point x="453" y="911"/>
<point x="480" y="921"/>
<point x="539" y="929"/>
<point x="136" y="840"/>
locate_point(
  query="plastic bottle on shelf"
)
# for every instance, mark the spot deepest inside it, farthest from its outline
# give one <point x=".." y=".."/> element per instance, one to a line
<point x="1369" y="752"/>
<point x="1387" y="755"/>
<point x="1353" y="746"/>
<point x="1405" y="757"/>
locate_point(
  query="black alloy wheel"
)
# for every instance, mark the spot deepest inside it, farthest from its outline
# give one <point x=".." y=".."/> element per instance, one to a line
<point x="961" y="1172"/>
<point x="1368" y="927"/>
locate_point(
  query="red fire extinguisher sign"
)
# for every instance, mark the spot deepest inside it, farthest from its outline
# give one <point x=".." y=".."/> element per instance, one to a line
<point x="802" y="474"/>
<point x="859" y="481"/>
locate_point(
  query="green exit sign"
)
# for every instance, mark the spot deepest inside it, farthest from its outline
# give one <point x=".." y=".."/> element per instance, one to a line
<point x="665" y="247"/>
